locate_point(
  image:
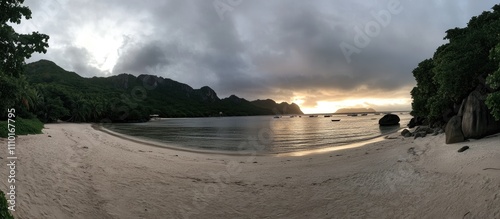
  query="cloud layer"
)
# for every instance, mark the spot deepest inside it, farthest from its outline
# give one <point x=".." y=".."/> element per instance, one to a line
<point x="256" y="49"/>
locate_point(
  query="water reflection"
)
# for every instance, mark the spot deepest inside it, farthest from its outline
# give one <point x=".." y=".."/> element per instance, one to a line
<point x="389" y="129"/>
<point x="288" y="134"/>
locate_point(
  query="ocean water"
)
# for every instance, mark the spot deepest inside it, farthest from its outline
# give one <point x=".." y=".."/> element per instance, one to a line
<point x="260" y="134"/>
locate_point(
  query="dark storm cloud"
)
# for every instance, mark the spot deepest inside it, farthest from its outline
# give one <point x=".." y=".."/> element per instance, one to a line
<point x="306" y="33"/>
<point x="259" y="49"/>
<point x="78" y="59"/>
<point x="138" y="59"/>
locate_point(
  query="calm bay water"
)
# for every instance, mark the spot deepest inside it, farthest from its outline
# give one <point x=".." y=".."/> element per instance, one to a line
<point x="264" y="134"/>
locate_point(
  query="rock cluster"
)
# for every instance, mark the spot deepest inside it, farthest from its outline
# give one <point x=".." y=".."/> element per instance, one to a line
<point x="421" y="132"/>
<point x="472" y="121"/>
<point x="416" y="121"/>
<point x="477" y="121"/>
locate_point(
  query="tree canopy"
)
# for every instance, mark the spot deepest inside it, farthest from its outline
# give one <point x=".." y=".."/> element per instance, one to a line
<point x="15" y="48"/>
<point x="493" y="100"/>
<point x="126" y="98"/>
<point x="459" y="67"/>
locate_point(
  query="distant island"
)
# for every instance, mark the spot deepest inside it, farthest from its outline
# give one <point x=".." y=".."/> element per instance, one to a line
<point x="356" y="110"/>
<point x="127" y="98"/>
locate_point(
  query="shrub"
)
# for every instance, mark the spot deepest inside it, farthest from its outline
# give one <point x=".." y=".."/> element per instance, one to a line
<point x="23" y="127"/>
<point x="4" y="210"/>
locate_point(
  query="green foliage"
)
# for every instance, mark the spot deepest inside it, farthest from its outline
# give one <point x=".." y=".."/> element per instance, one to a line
<point x="465" y="58"/>
<point x="15" y="91"/>
<point x="23" y="127"/>
<point x="425" y="89"/>
<point x="493" y="99"/>
<point x="126" y="98"/>
<point x="8" y="94"/>
<point x="15" y="47"/>
<point x="52" y="109"/>
<point x="458" y="67"/>
<point x="438" y="105"/>
<point x="493" y="102"/>
<point x="4" y="210"/>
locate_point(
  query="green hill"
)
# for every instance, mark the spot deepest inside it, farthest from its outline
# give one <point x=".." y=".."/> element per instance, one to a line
<point x="282" y="108"/>
<point x="125" y="97"/>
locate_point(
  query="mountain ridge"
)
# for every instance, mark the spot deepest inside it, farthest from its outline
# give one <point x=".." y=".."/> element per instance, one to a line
<point x="149" y="94"/>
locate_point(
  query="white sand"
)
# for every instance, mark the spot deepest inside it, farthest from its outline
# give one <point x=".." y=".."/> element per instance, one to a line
<point x="80" y="172"/>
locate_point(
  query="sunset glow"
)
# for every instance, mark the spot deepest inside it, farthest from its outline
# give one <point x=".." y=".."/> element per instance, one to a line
<point x="332" y="106"/>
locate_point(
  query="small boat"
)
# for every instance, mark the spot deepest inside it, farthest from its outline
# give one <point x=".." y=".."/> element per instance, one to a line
<point x="364" y="114"/>
<point x="312" y="116"/>
<point x="276" y="117"/>
<point x="326" y="116"/>
<point x="154" y="116"/>
<point x="335" y="120"/>
<point x="352" y="114"/>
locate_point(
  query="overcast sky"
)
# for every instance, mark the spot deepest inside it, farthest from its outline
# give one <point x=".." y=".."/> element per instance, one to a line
<point x="322" y="54"/>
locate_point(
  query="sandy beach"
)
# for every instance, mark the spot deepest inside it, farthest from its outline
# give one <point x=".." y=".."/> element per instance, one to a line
<point x="75" y="171"/>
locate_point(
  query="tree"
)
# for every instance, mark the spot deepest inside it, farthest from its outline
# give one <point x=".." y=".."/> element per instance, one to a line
<point x="493" y="99"/>
<point x="4" y="207"/>
<point x="51" y="110"/>
<point x="26" y="97"/>
<point x="461" y="64"/>
<point x="459" y="67"/>
<point x="80" y="110"/>
<point x="16" y="47"/>
<point x="96" y="110"/>
<point x="8" y="88"/>
<point x="425" y="89"/>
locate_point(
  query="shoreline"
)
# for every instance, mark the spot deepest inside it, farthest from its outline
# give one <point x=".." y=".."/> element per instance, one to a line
<point x="159" y="144"/>
<point x="76" y="171"/>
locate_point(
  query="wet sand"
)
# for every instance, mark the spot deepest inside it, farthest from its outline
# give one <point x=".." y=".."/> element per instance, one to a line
<point x="75" y="171"/>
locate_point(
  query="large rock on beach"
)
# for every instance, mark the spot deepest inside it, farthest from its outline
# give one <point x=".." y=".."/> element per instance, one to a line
<point x="406" y="133"/>
<point x="416" y="121"/>
<point x="454" y="130"/>
<point x="477" y="121"/>
<point x="389" y="120"/>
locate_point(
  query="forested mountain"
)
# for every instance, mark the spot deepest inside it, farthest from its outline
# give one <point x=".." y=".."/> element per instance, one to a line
<point x="282" y="108"/>
<point x="68" y="96"/>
